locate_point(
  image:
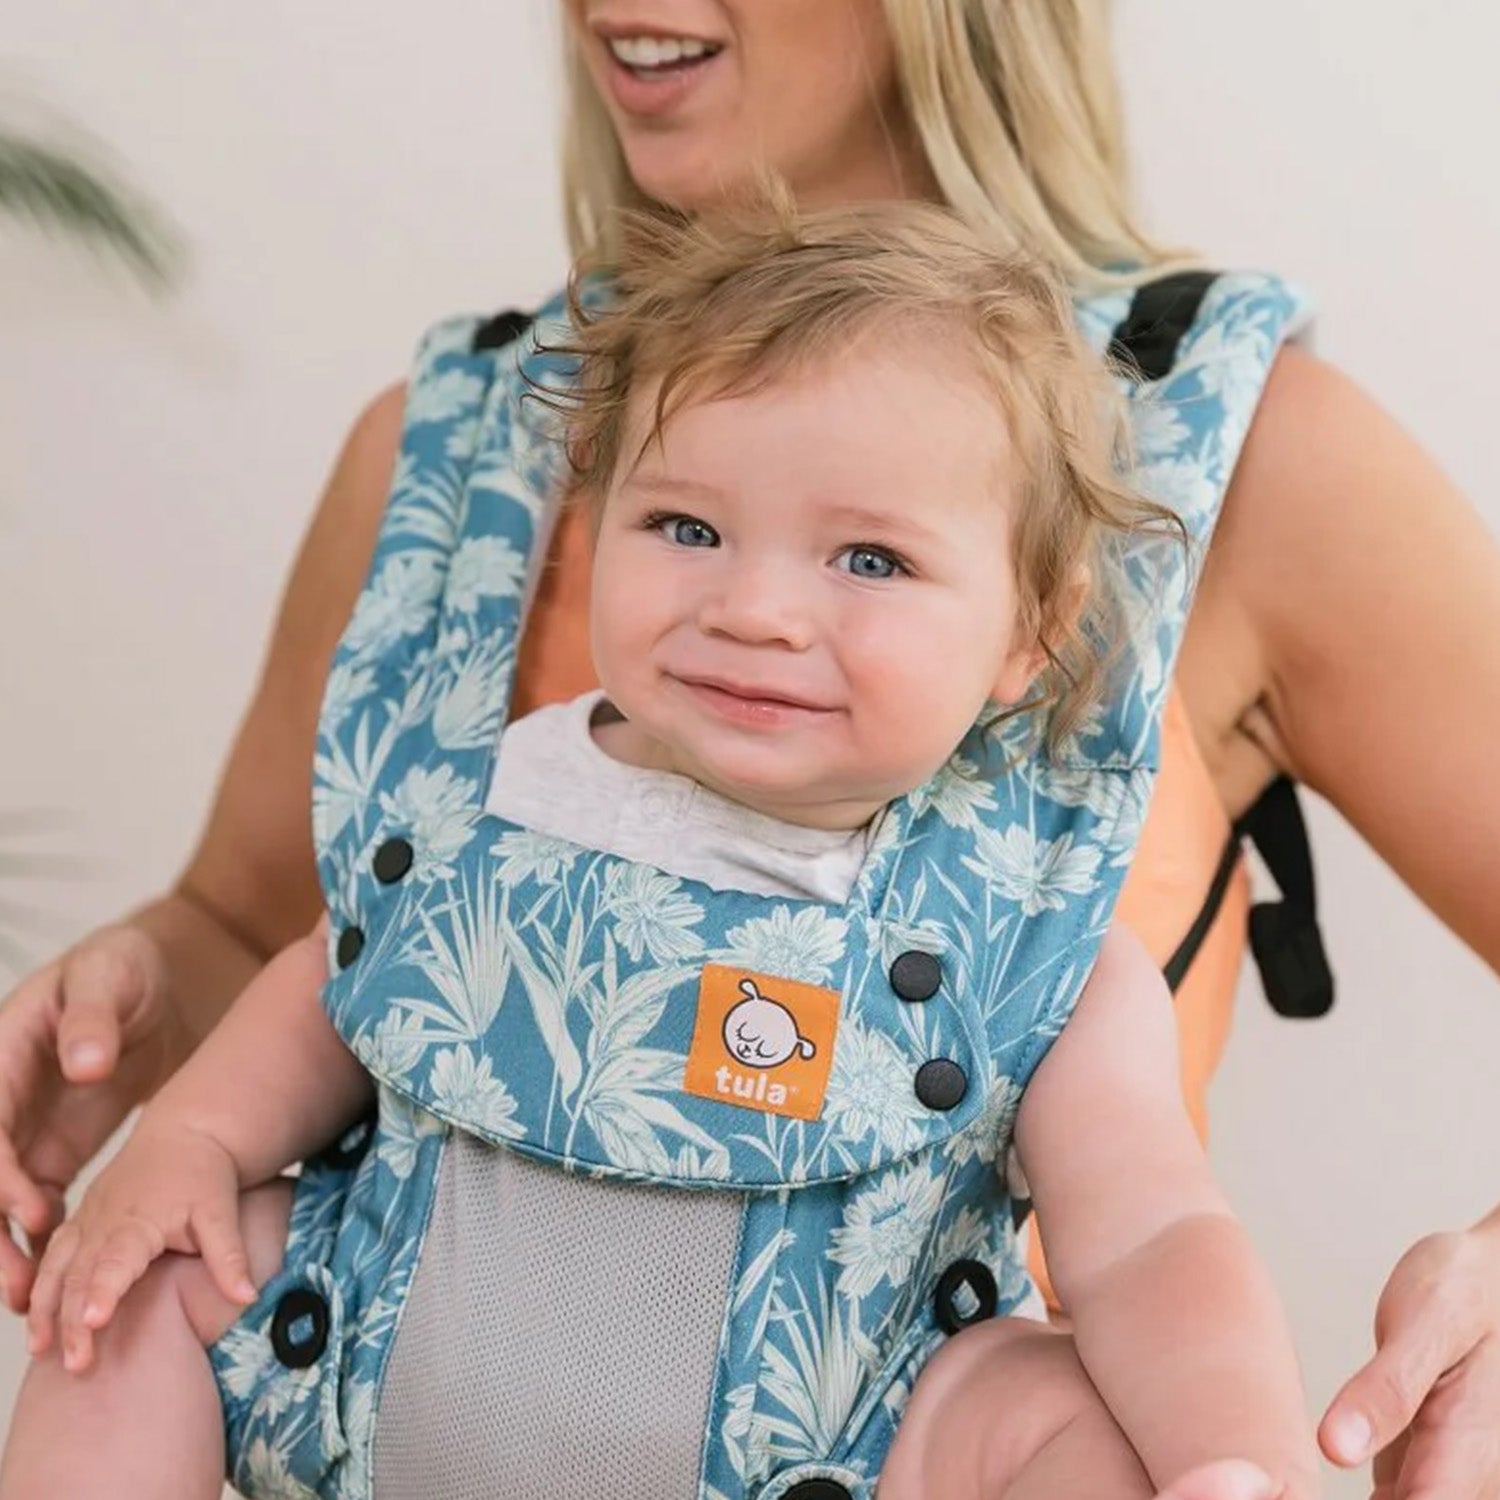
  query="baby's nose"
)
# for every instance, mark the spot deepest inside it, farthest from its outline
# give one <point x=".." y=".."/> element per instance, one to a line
<point x="764" y="604"/>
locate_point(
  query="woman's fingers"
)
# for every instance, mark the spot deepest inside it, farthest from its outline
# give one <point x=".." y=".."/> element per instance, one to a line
<point x="1386" y="1468"/>
<point x="1427" y="1405"/>
<point x="25" y="1055"/>
<point x="21" y="1197"/>
<point x="32" y="1207"/>
<point x="46" y="1293"/>
<point x="1431" y="1315"/>
<point x="1452" y="1451"/>
<point x="101" y="984"/>
<point x="17" y="1263"/>
<point x="63" y="1090"/>
<point x="16" y="1272"/>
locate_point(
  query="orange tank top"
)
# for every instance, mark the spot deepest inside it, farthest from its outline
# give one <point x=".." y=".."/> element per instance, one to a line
<point x="1181" y="844"/>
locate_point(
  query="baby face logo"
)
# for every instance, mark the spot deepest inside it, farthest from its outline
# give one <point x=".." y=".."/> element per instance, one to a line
<point x="762" y="1043"/>
<point x="762" y="1033"/>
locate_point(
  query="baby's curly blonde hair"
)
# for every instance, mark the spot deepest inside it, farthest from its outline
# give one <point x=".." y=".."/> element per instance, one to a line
<point x="716" y="306"/>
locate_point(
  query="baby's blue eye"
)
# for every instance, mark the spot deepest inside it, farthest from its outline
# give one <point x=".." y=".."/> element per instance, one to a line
<point x="685" y="531"/>
<point x="871" y="562"/>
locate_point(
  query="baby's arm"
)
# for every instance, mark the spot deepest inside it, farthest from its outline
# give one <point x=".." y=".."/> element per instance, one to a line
<point x="271" y="1083"/>
<point x="1174" y="1317"/>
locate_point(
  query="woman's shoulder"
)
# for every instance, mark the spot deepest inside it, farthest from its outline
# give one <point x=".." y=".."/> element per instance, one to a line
<point x="1320" y="458"/>
<point x="1336" y="522"/>
<point x="355" y="497"/>
<point x="375" y="435"/>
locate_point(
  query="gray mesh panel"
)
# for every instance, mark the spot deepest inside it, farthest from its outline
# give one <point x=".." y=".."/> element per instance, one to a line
<point x="560" y="1337"/>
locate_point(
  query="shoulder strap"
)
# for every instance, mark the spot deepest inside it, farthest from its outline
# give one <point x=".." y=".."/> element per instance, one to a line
<point x="1160" y="313"/>
<point x="1284" y="935"/>
<point x="502" y="329"/>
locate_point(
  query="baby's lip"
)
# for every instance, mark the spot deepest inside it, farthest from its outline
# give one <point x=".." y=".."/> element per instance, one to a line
<point x="754" y="692"/>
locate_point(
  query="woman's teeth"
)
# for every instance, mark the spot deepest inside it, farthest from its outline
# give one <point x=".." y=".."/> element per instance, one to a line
<point x="643" y="52"/>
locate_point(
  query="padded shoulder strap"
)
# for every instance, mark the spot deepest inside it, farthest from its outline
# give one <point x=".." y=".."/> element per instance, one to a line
<point x="1284" y="935"/>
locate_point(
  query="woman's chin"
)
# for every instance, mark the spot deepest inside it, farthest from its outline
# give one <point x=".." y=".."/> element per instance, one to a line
<point x="688" y="180"/>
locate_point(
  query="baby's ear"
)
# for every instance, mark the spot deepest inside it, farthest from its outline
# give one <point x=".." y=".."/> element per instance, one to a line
<point x="1018" y="671"/>
<point x="1028" y="659"/>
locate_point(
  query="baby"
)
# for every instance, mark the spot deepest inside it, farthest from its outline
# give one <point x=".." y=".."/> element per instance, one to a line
<point x="750" y="922"/>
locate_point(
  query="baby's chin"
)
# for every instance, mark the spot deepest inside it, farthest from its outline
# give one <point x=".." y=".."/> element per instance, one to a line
<point x="792" y="798"/>
<point x="780" y="776"/>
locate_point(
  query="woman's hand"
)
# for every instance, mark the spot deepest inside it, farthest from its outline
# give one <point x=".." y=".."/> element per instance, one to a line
<point x="1428" y="1404"/>
<point x="82" y="1042"/>
<point x="171" y="1187"/>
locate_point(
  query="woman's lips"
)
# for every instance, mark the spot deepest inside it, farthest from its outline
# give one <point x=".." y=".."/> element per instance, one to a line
<point x="650" y="93"/>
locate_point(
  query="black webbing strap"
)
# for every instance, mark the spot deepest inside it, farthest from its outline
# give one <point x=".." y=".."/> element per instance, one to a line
<point x="1160" y="313"/>
<point x="1284" y="934"/>
<point x="497" y="332"/>
<point x="1175" y="969"/>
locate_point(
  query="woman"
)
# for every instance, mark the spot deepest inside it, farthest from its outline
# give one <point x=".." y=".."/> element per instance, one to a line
<point x="1004" y="111"/>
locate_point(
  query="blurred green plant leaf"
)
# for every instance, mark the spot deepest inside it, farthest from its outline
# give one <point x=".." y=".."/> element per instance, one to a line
<point x="58" y="192"/>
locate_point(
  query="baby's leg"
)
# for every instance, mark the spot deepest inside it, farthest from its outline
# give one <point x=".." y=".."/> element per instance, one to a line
<point x="1005" y="1409"/>
<point x="144" y="1423"/>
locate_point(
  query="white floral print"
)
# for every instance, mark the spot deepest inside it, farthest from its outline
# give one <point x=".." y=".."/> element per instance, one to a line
<point x="804" y="946"/>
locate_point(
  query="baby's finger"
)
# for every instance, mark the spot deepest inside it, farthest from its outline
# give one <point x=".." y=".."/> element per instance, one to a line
<point x="121" y="1262"/>
<point x="74" y="1334"/>
<point x="217" y="1231"/>
<point x="1228" y="1479"/>
<point x="46" y="1292"/>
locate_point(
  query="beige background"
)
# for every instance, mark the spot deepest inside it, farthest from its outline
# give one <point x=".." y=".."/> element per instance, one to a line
<point x="347" y="173"/>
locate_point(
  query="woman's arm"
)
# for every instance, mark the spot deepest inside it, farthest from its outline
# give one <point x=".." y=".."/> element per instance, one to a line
<point x="1345" y="632"/>
<point x="1174" y="1317"/>
<point x="253" y="870"/>
<point x="1351" y="604"/>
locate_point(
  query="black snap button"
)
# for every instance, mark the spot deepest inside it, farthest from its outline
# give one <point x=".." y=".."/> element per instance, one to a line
<point x="299" y="1328"/>
<point x="348" y="1151"/>
<point x="392" y="860"/>
<point x="916" y="975"/>
<point x="350" y="945"/>
<point x="817" y="1489"/>
<point x="941" y="1083"/>
<point x="966" y="1294"/>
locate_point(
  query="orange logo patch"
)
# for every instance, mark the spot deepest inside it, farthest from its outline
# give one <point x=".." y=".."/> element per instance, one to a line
<point x="762" y="1043"/>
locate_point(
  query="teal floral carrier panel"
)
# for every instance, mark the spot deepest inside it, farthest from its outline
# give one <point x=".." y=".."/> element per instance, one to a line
<point x="823" y="1093"/>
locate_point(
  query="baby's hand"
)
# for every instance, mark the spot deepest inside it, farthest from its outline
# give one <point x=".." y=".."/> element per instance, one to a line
<point x="170" y="1188"/>
<point x="1229" y="1479"/>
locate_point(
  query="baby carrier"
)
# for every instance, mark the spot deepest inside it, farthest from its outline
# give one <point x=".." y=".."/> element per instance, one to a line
<point x="751" y="1148"/>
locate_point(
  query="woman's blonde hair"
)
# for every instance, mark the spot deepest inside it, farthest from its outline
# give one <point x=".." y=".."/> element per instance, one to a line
<point x="1014" y="105"/>
<point x="726" y="303"/>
